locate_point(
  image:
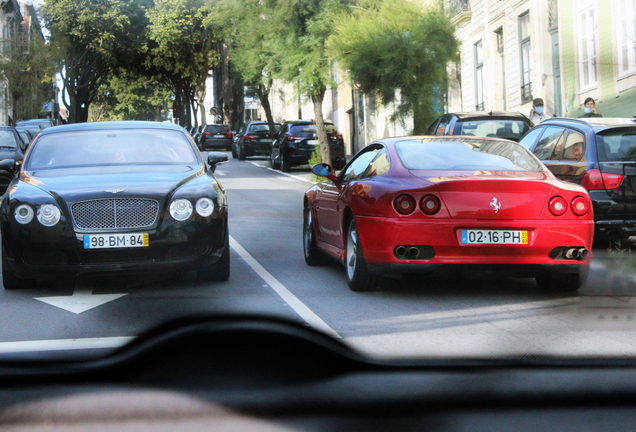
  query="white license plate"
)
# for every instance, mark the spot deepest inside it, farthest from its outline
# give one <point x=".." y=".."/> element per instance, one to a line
<point x="313" y="142"/>
<point x="102" y="241"/>
<point x="494" y="237"/>
<point x="219" y="136"/>
<point x="267" y="140"/>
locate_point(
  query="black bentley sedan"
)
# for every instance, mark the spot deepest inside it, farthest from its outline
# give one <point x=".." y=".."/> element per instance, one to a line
<point x="123" y="196"/>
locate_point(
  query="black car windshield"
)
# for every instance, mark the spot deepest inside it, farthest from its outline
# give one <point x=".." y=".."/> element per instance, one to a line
<point x="217" y="129"/>
<point x="110" y="147"/>
<point x="7" y="138"/>
<point x="508" y="129"/>
<point x="616" y="144"/>
<point x="261" y="128"/>
<point x="307" y="130"/>
<point x="464" y="155"/>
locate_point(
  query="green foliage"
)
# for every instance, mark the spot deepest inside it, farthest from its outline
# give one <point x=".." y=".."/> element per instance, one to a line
<point x="393" y="47"/>
<point x="315" y="159"/>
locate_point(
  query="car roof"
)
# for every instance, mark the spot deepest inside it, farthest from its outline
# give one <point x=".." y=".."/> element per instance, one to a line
<point x="47" y="121"/>
<point x="111" y="125"/>
<point x="596" y="123"/>
<point x="483" y="115"/>
<point x="394" y="140"/>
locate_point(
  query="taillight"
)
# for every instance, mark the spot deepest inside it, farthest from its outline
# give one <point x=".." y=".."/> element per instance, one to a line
<point x="430" y="204"/>
<point x="229" y="134"/>
<point x="293" y="138"/>
<point x="580" y="206"/>
<point x="338" y="136"/>
<point x="594" y="180"/>
<point x="404" y="204"/>
<point x="207" y="134"/>
<point x="558" y="206"/>
<point x="250" y="138"/>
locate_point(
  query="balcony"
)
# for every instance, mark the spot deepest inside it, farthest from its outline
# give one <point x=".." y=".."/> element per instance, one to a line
<point x="459" y="11"/>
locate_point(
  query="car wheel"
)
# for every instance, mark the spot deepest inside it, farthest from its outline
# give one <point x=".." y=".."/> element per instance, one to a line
<point x="312" y="254"/>
<point x="275" y="165"/>
<point x="220" y="271"/>
<point x="234" y="154"/>
<point x="10" y="280"/>
<point x="358" y="276"/>
<point x="241" y="153"/>
<point x="284" y="165"/>
<point x="560" y="283"/>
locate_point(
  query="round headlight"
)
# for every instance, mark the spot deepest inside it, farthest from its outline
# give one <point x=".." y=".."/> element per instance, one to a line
<point x="24" y="214"/>
<point x="205" y="207"/>
<point x="48" y="214"/>
<point x="181" y="209"/>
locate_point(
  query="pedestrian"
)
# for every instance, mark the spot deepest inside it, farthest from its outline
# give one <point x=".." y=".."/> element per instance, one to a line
<point x="536" y="113"/>
<point x="590" y="109"/>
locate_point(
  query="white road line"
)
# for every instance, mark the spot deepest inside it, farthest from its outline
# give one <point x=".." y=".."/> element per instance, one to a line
<point x="64" y="344"/>
<point x="281" y="173"/>
<point x="301" y="309"/>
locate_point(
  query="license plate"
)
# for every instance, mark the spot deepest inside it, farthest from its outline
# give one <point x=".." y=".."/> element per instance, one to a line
<point x="219" y="136"/>
<point x="313" y="142"/>
<point x="101" y="241"/>
<point x="494" y="237"/>
<point x="267" y="140"/>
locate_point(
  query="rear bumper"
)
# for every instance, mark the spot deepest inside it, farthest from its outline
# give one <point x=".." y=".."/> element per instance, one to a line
<point x="257" y="148"/>
<point x="380" y="236"/>
<point x="216" y="143"/>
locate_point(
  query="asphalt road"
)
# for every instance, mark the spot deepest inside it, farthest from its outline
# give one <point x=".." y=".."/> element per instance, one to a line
<point x="476" y="315"/>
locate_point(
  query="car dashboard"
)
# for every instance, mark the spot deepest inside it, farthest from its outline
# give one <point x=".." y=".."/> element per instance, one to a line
<point x="264" y="374"/>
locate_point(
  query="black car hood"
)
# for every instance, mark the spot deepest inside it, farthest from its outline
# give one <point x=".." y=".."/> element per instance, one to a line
<point x="136" y="180"/>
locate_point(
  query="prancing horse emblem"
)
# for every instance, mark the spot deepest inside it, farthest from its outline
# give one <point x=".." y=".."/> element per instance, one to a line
<point x="114" y="191"/>
<point x="495" y="205"/>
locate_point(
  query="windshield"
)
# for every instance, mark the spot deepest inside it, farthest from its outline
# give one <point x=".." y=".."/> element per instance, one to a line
<point x="508" y="129"/>
<point x="8" y="139"/>
<point x="110" y="147"/>
<point x="117" y="220"/>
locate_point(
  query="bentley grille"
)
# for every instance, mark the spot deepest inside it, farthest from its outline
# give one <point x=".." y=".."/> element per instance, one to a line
<point x="112" y="213"/>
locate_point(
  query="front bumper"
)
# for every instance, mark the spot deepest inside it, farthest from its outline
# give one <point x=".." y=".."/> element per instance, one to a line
<point x="380" y="236"/>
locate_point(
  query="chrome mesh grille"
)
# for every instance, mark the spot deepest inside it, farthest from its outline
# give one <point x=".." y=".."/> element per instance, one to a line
<point x="112" y="213"/>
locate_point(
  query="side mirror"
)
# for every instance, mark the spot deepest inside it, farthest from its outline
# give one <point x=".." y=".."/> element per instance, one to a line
<point x="9" y="165"/>
<point x="215" y="158"/>
<point x="324" y="170"/>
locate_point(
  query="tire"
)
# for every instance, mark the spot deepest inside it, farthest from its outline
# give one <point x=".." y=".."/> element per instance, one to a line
<point x="241" y="153"/>
<point x="358" y="276"/>
<point x="234" y="155"/>
<point x="10" y="280"/>
<point x="560" y="283"/>
<point x="313" y="257"/>
<point x="219" y="271"/>
<point x="275" y="165"/>
<point x="284" y="165"/>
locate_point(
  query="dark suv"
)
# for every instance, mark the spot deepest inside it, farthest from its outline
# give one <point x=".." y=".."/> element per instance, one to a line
<point x="297" y="141"/>
<point x="216" y="136"/>
<point x="508" y="125"/>
<point x="254" y="139"/>
<point x="600" y="155"/>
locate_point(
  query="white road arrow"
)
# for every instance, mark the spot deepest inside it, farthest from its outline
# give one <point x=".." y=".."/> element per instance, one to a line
<point x="81" y="300"/>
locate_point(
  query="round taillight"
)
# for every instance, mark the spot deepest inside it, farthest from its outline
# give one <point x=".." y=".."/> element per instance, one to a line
<point x="430" y="204"/>
<point x="404" y="204"/>
<point x="580" y="206"/>
<point x="558" y="206"/>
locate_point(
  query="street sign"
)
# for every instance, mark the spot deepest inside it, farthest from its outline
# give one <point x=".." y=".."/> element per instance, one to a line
<point x="356" y="85"/>
<point x="214" y="111"/>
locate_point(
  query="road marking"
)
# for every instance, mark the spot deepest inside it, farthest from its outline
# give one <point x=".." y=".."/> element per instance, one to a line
<point x="280" y="172"/>
<point x="301" y="309"/>
<point x="81" y="300"/>
<point x="64" y="344"/>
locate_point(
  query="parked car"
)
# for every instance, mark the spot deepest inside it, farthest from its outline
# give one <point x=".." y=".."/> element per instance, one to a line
<point x="600" y="155"/>
<point x="12" y="149"/>
<point x="297" y="140"/>
<point x="26" y="135"/>
<point x="508" y="125"/>
<point x="113" y="196"/>
<point x="254" y="139"/>
<point x="216" y="136"/>
<point x="41" y="123"/>
<point x="419" y="204"/>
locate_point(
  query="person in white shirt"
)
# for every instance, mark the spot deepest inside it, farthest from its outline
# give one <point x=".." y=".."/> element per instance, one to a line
<point x="536" y="113"/>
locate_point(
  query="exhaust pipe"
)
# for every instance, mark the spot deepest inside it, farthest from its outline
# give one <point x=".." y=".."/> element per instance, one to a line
<point x="400" y="251"/>
<point x="583" y="253"/>
<point x="572" y="253"/>
<point x="414" y="252"/>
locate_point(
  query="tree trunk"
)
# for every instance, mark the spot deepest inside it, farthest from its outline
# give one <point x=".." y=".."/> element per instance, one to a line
<point x="419" y="119"/>
<point x="317" y="99"/>
<point x="263" y="95"/>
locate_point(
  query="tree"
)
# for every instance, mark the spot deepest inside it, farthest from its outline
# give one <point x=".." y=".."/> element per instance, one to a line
<point x="398" y="47"/>
<point x="303" y="27"/>
<point x="28" y="66"/>
<point x="181" y="50"/>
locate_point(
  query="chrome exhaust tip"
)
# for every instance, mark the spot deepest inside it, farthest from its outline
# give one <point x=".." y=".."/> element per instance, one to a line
<point x="400" y="251"/>
<point x="583" y="253"/>
<point x="414" y="252"/>
<point x="572" y="253"/>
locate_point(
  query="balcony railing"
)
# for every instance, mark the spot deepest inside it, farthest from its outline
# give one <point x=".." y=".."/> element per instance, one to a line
<point x="459" y="11"/>
<point x="526" y="93"/>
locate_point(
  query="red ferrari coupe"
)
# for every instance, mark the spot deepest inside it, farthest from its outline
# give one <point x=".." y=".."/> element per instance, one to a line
<point x="420" y="204"/>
